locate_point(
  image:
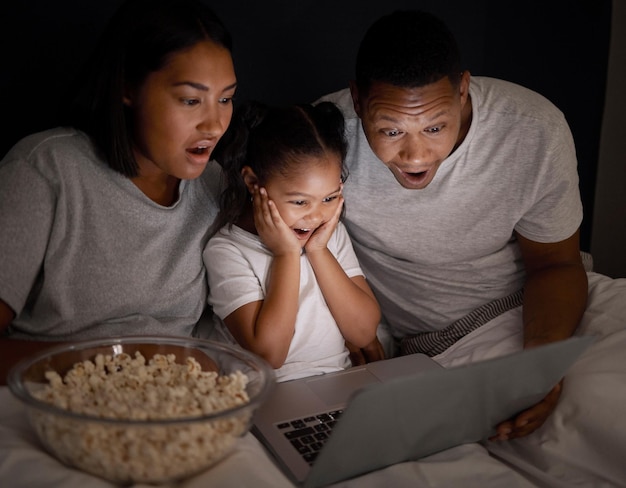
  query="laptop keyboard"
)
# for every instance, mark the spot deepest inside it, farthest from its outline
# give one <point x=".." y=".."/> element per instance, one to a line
<point x="308" y="434"/>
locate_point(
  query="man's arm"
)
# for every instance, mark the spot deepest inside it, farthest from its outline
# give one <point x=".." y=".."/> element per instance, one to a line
<point x="555" y="298"/>
<point x="555" y="292"/>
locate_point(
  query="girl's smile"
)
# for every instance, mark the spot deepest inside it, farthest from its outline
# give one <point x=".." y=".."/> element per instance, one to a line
<point x="309" y="198"/>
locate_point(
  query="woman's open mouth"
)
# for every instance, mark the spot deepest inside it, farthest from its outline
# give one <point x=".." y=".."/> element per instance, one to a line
<point x="199" y="154"/>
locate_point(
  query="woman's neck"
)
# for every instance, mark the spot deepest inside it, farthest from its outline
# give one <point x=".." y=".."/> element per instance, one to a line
<point x="163" y="191"/>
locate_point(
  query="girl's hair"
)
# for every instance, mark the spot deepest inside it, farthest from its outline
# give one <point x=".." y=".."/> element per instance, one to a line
<point x="274" y="140"/>
<point x="139" y="39"/>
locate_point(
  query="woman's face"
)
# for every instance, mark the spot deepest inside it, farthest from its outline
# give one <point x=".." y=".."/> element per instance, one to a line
<point x="181" y="111"/>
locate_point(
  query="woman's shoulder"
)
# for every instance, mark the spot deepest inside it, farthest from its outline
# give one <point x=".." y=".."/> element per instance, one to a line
<point x="60" y="145"/>
<point x="59" y="137"/>
<point x="55" y="155"/>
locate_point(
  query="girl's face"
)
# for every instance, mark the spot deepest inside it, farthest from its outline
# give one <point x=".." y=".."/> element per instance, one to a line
<point x="181" y="111"/>
<point x="308" y="198"/>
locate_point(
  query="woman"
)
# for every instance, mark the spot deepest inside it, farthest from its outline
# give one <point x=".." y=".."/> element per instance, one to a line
<point x="104" y="221"/>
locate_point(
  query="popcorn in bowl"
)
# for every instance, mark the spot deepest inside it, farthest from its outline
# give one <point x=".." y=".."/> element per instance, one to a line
<point x="142" y="410"/>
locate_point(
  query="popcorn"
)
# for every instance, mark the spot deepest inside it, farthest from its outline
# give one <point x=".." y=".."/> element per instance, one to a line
<point x="122" y="387"/>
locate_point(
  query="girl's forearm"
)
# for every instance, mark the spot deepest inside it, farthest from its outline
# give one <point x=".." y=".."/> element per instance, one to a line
<point x="275" y="323"/>
<point x="350" y="300"/>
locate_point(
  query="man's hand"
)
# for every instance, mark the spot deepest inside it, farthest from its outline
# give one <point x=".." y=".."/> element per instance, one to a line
<point x="555" y="298"/>
<point x="529" y="420"/>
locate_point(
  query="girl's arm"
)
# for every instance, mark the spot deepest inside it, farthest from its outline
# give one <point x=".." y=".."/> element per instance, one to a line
<point x="266" y="327"/>
<point x="350" y="300"/>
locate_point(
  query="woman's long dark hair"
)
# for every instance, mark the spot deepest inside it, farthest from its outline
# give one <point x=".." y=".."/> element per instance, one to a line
<point x="139" y="39"/>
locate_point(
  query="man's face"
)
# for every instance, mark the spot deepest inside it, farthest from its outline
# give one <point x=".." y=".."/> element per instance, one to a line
<point x="412" y="130"/>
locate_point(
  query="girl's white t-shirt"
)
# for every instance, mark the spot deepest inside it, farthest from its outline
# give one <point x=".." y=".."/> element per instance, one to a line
<point x="238" y="265"/>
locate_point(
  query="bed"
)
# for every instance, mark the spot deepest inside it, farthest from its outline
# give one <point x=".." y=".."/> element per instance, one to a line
<point x="583" y="443"/>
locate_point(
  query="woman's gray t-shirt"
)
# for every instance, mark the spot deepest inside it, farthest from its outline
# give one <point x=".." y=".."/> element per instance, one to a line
<point x="84" y="253"/>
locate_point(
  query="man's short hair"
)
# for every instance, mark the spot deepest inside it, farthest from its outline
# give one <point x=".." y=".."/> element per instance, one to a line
<point x="407" y="48"/>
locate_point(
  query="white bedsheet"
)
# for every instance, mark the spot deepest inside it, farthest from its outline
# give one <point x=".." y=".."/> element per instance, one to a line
<point x="583" y="444"/>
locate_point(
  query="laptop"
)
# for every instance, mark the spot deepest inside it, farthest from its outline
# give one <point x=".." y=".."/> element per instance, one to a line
<point x="400" y="409"/>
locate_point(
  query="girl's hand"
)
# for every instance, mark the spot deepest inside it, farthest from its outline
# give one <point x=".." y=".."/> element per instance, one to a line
<point x="320" y="237"/>
<point x="270" y="226"/>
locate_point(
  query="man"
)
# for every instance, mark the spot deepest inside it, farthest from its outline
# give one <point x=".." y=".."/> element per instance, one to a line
<point x="462" y="199"/>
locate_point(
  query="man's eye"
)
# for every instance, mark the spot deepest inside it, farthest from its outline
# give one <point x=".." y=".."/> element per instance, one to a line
<point x="392" y="132"/>
<point x="434" y="130"/>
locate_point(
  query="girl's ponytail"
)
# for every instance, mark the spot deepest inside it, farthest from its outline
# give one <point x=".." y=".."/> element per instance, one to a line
<point x="232" y="155"/>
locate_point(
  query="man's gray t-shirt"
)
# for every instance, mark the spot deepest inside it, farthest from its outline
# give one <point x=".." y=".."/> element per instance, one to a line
<point x="84" y="253"/>
<point x="434" y="255"/>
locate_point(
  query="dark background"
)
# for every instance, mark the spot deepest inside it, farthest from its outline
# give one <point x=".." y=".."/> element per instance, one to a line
<point x="293" y="51"/>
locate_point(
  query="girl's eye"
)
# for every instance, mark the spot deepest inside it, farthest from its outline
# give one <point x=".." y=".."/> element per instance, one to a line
<point x="299" y="202"/>
<point x="330" y="199"/>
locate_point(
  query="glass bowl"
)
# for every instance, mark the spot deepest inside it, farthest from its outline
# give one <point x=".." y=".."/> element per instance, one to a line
<point x="130" y="422"/>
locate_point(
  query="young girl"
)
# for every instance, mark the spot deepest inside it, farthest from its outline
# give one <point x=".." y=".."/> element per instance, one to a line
<point x="104" y="221"/>
<point x="282" y="272"/>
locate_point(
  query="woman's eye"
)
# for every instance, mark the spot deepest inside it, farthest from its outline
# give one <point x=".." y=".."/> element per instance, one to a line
<point x="225" y="100"/>
<point x="330" y="199"/>
<point x="190" y="101"/>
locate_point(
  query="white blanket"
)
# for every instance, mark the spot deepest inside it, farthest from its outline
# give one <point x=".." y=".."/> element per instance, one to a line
<point x="583" y="443"/>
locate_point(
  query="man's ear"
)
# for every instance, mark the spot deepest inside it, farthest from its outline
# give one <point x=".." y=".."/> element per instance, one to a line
<point x="354" y="91"/>
<point x="249" y="178"/>
<point x="464" y="86"/>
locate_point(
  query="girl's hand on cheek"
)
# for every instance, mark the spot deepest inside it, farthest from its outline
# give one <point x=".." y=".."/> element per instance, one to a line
<point x="271" y="228"/>
<point x="320" y="237"/>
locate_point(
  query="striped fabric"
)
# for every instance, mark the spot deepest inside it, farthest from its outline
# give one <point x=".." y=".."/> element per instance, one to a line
<point x="433" y="343"/>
